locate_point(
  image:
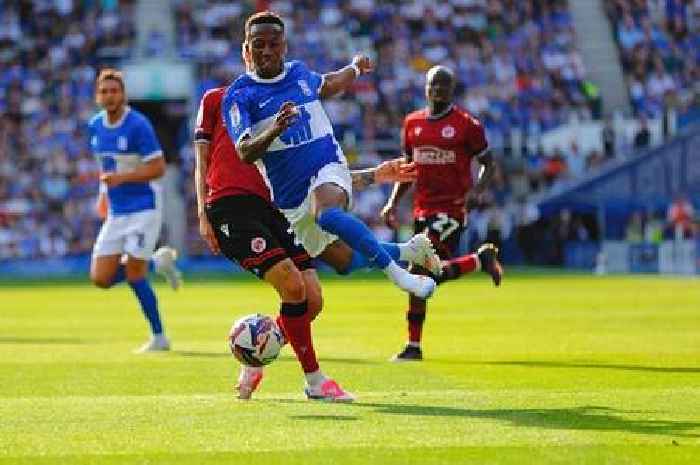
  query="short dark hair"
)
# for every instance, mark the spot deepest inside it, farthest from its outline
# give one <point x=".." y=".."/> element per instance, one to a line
<point x="263" y="17"/>
<point x="113" y="74"/>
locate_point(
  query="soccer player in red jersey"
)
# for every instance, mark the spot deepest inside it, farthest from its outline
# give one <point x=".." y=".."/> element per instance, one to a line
<point x="236" y="218"/>
<point x="442" y="140"/>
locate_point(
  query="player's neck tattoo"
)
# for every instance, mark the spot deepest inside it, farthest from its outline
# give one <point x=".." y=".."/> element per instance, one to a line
<point x="437" y="110"/>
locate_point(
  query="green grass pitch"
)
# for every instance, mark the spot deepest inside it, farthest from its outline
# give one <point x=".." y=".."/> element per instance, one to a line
<point x="547" y="369"/>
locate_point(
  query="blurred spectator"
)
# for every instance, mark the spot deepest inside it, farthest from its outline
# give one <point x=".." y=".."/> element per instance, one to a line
<point x="634" y="232"/>
<point x="680" y="217"/>
<point x="609" y="139"/>
<point x="642" y="138"/>
<point x="554" y="168"/>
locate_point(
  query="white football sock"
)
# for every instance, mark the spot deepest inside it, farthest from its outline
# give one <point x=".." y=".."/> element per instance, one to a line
<point x="314" y="378"/>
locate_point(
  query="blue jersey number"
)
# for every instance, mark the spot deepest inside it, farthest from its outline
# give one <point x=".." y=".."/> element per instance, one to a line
<point x="300" y="131"/>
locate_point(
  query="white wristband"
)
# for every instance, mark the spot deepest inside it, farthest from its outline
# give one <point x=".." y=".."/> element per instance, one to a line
<point x="356" y="68"/>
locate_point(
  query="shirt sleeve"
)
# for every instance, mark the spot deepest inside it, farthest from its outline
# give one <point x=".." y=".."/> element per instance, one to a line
<point x="406" y="147"/>
<point x="147" y="142"/>
<point x="206" y="119"/>
<point x="236" y="116"/>
<point x="315" y="80"/>
<point x="476" y="137"/>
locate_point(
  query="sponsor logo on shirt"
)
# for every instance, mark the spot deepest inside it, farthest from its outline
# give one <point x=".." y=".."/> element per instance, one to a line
<point x="429" y="155"/>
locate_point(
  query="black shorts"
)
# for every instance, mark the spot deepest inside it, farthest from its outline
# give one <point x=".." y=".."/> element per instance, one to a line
<point x="443" y="230"/>
<point x="253" y="233"/>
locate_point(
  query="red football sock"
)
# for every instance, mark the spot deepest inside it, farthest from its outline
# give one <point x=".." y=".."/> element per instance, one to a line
<point x="415" y="317"/>
<point x="297" y="329"/>
<point x="464" y="264"/>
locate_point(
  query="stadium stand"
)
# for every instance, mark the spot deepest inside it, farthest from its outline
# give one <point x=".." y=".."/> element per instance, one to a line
<point x="519" y="69"/>
<point x="48" y="179"/>
<point x="659" y="48"/>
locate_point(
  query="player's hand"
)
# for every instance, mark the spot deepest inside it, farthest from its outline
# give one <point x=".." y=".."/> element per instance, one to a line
<point x="285" y="117"/>
<point x="111" y="179"/>
<point x="389" y="216"/>
<point x="363" y="63"/>
<point x="207" y="233"/>
<point x="396" y="170"/>
<point x="102" y="206"/>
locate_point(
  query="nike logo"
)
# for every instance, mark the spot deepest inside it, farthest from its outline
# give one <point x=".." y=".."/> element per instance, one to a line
<point x="265" y="102"/>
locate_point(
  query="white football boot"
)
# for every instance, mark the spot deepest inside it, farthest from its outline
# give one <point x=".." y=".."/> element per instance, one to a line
<point x="164" y="260"/>
<point x="157" y="343"/>
<point x="419" y="251"/>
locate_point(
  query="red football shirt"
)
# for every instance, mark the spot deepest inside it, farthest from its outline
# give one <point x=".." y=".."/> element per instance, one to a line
<point x="226" y="173"/>
<point x="443" y="149"/>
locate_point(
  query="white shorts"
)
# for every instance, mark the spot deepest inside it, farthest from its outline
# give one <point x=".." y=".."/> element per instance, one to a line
<point x="135" y="234"/>
<point x="307" y="232"/>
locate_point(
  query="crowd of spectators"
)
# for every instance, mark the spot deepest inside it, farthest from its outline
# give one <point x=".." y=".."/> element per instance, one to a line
<point x="48" y="178"/>
<point x="659" y="43"/>
<point x="516" y="60"/>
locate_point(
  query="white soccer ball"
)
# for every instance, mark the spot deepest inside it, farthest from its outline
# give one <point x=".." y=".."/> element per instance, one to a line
<point x="255" y="340"/>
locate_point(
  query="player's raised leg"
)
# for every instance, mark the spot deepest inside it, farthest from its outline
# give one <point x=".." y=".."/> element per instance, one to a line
<point x="485" y="259"/>
<point x="330" y="201"/>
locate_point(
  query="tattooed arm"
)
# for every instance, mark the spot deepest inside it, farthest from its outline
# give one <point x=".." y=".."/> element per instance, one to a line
<point x="396" y="170"/>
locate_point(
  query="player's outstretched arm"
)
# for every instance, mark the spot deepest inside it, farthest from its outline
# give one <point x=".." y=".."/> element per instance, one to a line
<point x="396" y="170"/>
<point x="339" y="81"/>
<point x="252" y="148"/>
<point x="388" y="213"/>
<point x="486" y="172"/>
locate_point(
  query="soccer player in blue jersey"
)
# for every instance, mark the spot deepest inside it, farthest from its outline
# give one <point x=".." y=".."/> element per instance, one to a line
<point x="131" y="162"/>
<point x="275" y="118"/>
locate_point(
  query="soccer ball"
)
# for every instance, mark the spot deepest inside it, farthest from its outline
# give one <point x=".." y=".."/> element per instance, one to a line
<point x="255" y="340"/>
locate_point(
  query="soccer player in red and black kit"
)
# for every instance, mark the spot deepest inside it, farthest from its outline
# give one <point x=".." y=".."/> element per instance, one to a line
<point x="236" y="218"/>
<point x="442" y="140"/>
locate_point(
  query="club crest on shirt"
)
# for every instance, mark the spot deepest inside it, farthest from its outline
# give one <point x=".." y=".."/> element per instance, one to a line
<point x="304" y="87"/>
<point x="418" y="130"/>
<point x="224" y="229"/>
<point x="235" y="115"/>
<point x="448" y="132"/>
<point x="122" y="143"/>
<point x="258" y="244"/>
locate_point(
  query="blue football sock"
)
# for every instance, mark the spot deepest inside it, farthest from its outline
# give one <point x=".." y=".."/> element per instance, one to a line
<point x="356" y="234"/>
<point x="149" y="304"/>
<point x="392" y="249"/>
<point x="120" y="275"/>
<point x="359" y="261"/>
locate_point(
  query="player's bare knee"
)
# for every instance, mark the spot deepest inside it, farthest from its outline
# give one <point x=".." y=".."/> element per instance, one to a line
<point x="293" y="288"/>
<point x="100" y="280"/>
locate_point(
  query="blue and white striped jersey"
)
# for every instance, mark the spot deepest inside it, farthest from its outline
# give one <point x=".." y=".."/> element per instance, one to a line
<point x="121" y="147"/>
<point x="297" y="155"/>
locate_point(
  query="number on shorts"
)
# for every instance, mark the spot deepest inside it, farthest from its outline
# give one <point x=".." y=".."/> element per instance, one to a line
<point x="444" y="225"/>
